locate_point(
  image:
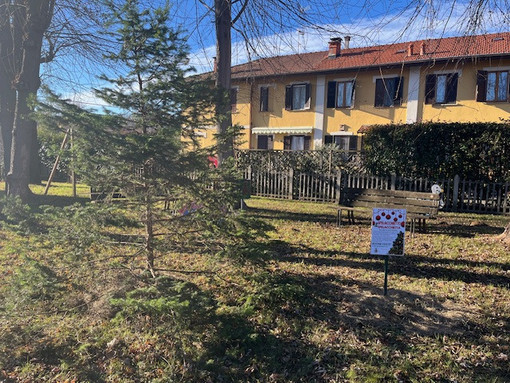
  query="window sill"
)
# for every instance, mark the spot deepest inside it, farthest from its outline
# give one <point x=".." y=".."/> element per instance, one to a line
<point x="439" y="104"/>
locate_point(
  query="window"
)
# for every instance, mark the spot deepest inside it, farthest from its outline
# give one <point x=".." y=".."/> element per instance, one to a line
<point x="347" y="142"/>
<point x="441" y="88"/>
<point x="296" y="142"/>
<point x="492" y="86"/>
<point x="233" y="99"/>
<point x="340" y="94"/>
<point x="297" y="97"/>
<point x="388" y="91"/>
<point x="264" y="142"/>
<point x="264" y="98"/>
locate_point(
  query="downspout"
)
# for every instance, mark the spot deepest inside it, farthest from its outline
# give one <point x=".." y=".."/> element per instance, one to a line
<point x="250" y="146"/>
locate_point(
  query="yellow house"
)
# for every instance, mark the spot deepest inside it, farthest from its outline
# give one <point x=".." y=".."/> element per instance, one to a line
<point x="303" y="101"/>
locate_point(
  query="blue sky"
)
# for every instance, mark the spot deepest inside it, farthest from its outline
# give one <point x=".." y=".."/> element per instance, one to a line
<point x="270" y="32"/>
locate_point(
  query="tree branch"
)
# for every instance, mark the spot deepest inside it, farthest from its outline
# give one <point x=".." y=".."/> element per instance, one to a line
<point x="245" y="4"/>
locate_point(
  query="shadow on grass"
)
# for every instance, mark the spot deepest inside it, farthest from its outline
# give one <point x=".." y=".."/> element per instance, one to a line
<point x="434" y="226"/>
<point x="57" y="201"/>
<point x="354" y="315"/>
<point x="463" y="231"/>
<point x="292" y="216"/>
<point x="53" y="200"/>
<point x="410" y="265"/>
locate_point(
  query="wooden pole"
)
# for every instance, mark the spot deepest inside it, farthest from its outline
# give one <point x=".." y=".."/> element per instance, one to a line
<point x="73" y="174"/>
<point x="386" y="258"/>
<point x="55" y="165"/>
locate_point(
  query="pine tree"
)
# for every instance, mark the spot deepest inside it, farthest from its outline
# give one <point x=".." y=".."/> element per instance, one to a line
<point x="145" y="148"/>
<point x="397" y="247"/>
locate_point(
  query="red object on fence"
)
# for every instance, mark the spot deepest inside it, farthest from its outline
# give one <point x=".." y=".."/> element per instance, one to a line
<point x="213" y="161"/>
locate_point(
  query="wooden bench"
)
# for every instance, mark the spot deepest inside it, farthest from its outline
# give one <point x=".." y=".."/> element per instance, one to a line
<point x="420" y="206"/>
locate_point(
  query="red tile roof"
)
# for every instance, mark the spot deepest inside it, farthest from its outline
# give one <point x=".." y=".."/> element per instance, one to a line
<point x="496" y="44"/>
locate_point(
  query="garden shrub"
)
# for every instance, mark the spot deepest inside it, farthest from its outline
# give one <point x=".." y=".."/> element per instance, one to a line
<point x="476" y="151"/>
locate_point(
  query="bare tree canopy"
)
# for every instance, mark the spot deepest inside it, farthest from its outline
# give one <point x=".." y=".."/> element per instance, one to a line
<point x="265" y="28"/>
<point x="33" y="33"/>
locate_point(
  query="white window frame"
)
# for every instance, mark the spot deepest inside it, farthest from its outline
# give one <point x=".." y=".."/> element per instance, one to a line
<point x="306" y="105"/>
<point x="496" y="86"/>
<point x="351" y="94"/>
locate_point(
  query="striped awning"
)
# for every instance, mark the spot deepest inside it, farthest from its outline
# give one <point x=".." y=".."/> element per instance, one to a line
<point x="283" y="130"/>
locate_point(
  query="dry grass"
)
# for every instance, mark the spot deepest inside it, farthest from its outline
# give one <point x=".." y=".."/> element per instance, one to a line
<point x="306" y="305"/>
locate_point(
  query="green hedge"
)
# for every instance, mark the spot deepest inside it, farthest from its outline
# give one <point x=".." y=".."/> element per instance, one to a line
<point x="476" y="151"/>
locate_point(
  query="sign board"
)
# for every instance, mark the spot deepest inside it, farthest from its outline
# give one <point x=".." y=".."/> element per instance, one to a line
<point x="388" y="231"/>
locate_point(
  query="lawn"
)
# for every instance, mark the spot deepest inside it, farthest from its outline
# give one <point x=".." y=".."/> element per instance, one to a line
<point x="304" y="304"/>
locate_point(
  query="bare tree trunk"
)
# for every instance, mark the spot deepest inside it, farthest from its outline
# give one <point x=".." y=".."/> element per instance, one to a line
<point x="149" y="224"/>
<point x="223" y="21"/>
<point x="37" y="19"/>
<point x="35" y="160"/>
<point x="10" y="29"/>
<point x="7" y="105"/>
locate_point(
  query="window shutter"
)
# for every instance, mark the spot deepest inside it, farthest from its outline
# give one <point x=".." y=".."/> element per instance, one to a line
<point x="508" y="87"/>
<point x="353" y="143"/>
<point x="262" y="142"/>
<point x="399" y="91"/>
<point x="264" y="99"/>
<point x="481" y="85"/>
<point x="288" y="97"/>
<point x="331" y="94"/>
<point x="307" y="97"/>
<point x="451" y="88"/>
<point x="430" y="89"/>
<point x="307" y="143"/>
<point x="353" y="93"/>
<point x="287" y="142"/>
<point x="379" y="92"/>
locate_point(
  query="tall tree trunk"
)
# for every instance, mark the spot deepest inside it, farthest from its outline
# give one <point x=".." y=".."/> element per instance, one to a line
<point x="7" y="105"/>
<point x="37" y="19"/>
<point x="35" y="160"/>
<point x="223" y="21"/>
<point x="10" y="29"/>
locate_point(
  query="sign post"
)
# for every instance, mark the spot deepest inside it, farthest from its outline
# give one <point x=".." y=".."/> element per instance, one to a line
<point x="388" y="235"/>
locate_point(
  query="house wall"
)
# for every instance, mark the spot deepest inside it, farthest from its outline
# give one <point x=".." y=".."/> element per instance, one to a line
<point x="466" y="109"/>
<point x="277" y="116"/>
<point x="363" y="111"/>
<point x="240" y="116"/>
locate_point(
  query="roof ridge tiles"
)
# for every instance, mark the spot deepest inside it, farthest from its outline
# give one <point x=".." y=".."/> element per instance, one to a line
<point x="443" y="48"/>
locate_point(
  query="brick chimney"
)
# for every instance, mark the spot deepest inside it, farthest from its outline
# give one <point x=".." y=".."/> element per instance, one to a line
<point x="335" y="47"/>
<point x="347" y="41"/>
<point x="215" y="65"/>
<point x="422" y="49"/>
<point x="410" y="50"/>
